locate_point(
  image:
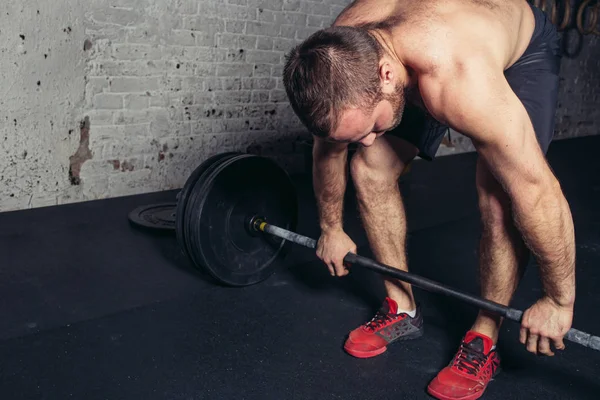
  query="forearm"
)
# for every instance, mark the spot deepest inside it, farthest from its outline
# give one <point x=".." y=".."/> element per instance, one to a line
<point x="545" y="221"/>
<point x="329" y="182"/>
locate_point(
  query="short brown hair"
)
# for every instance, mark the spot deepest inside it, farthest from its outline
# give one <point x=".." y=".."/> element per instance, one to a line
<point x="333" y="69"/>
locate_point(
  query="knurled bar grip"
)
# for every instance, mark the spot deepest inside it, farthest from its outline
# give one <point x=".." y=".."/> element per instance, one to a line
<point x="573" y="335"/>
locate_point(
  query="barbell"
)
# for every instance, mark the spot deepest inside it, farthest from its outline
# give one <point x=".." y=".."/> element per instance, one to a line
<point x="235" y="220"/>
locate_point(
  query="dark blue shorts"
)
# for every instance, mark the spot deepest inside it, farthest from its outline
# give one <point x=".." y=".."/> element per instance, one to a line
<point x="533" y="78"/>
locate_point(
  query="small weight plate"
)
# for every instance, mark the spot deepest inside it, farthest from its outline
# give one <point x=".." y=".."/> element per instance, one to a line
<point x="154" y="216"/>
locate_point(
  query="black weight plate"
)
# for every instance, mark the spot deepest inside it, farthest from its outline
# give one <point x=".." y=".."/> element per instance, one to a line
<point x="236" y="190"/>
<point x="196" y="192"/>
<point x="184" y="195"/>
<point x="154" y="216"/>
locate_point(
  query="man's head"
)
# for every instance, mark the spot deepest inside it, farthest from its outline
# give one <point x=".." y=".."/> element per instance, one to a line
<point x="343" y="86"/>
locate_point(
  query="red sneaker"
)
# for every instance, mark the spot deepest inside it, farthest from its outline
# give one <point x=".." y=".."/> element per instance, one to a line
<point x="469" y="373"/>
<point x="372" y="338"/>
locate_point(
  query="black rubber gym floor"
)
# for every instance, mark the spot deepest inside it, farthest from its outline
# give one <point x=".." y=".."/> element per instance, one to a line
<point x="93" y="308"/>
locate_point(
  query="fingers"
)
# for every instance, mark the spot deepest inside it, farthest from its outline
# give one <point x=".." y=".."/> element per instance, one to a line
<point x="544" y="346"/>
<point x="532" y="341"/>
<point x="558" y="343"/>
<point x="539" y="344"/>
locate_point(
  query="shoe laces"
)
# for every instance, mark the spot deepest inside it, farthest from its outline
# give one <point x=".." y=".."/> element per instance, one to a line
<point x="381" y="318"/>
<point x="469" y="360"/>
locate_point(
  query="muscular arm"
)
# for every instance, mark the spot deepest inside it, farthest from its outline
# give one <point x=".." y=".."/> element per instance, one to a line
<point x="329" y="181"/>
<point x="473" y="97"/>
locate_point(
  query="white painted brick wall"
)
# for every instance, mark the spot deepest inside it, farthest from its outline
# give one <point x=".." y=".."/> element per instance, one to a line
<point x="165" y="84"/>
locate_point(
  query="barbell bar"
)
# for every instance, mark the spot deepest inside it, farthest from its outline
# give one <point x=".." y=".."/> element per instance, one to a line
<point x="260" y="224"/>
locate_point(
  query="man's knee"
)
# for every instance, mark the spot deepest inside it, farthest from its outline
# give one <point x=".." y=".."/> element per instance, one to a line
<point x="494" y="204"/>
<point x="368" y="175"/>
<point x="381" y="164"/>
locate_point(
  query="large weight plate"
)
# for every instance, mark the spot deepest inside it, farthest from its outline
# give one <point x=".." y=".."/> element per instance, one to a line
<point x="184" y="194"/>
<point x="237" y="189"/>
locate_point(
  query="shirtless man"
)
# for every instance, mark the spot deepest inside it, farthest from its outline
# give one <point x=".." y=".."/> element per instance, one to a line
<point x="393" y="76"/>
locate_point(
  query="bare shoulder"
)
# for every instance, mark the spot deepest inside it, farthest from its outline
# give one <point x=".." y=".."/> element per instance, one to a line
<point x="366" y="12"/>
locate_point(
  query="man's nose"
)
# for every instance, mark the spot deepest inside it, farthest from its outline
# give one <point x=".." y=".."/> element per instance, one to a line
<point x="369" y="140"/>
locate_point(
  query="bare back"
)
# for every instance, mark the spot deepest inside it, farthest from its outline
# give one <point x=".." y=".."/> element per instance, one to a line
<point x="500" y="29"/>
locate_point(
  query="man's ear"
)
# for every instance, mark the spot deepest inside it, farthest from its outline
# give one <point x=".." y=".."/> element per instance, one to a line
<point x="387" y="76"/>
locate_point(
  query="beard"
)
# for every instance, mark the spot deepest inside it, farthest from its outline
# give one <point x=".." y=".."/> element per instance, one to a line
<point x="398" y="100"/>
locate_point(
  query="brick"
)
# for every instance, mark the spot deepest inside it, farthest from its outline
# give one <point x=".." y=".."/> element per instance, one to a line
<point x="158" y="100"/>
<point x="202" y="126"/>
<point x="94" y="168"/>
<point x="277" y="71"/>
<point x="281" y="44"/>
<point x="205" y="69"/>
<point x="278" y="96"/>
<point x="266" y="15"/>
<point x="262" y="70"/>
<point x="136" y="101"/>
<point x="266" y="4"/>
<point x="181" y="38"/>
<point x="133" y="84"/>
<point x="138" y="35"/>
<point x="236" y="27"/>
<point x="96" y="85"/>
<point x="232" y="83"/>
<point x="232" y="97"/>
<point x="236" y="41"/>
<point x="261" y="56"/>
<point x="230" y="125"/>
<point x="211" y="84"/>
<point x="187" y="7"/>
<point x="108" y="33"/>
<point x="201" y="23"/>
<point x="232" y="11"/>
<point x="192" y="83"/>
<point x="232" y="111"/>
<point x="100" y="117"/>
<point x="318" y="21"/>
<point x="258" y="83"/>
<point x="231" y="55"/>
<point x="290" y="18"/>
<point x="202" y="111"/>
<point x="130" y="117"/>
<point x="129" y="68"/>
<point x="259" y="110"/>
<point x="136" y="52"/>
<point x="234" y="70"/>
<point x="130" y="183"/>
<point x="209" y="8"/>
<point x="304" y="33"/>
<point x="292" y="5"/>
<point x="205" y="38"/>
<point x="116" y="16"/>
<point x="262" y="28"/>
<point x="203" y="98"/>
<point x="311" y="7"/>
<point x="107" y="101"/>
<point x="264" y="43"/>
<point x="288" y="31"/>
<point x="260" y="96"/>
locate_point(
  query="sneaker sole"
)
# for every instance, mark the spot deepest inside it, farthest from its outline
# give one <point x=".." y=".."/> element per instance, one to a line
<point x="373" y="353"/>
<point x="439" y="396"/>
